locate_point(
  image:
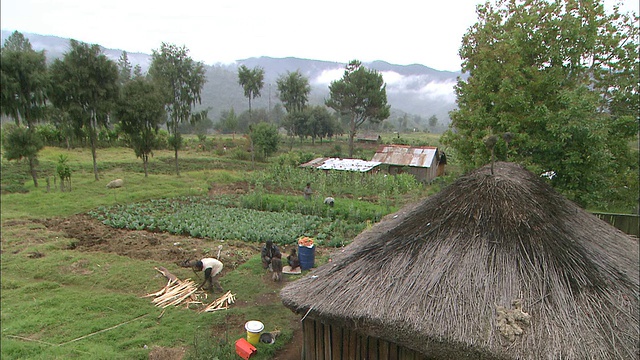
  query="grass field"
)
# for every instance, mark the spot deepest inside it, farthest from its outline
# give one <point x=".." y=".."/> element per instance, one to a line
<point x="72" y="288"/>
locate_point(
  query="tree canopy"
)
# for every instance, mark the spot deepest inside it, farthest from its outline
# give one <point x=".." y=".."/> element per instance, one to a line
<point x="561" y="79"/>
<point x="361" y="94"/>
<point x="181" y="80"/>
<point x="265" y="138"/>
<point x="140" y="110"/>
<point x="24" y="82"/>
<point x="85" y="84"/>
<point x="252" y="82"/>
<point x="293" y="91"/>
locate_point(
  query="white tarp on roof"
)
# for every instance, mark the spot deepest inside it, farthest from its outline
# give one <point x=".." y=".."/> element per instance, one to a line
<point x="343" y="164"/>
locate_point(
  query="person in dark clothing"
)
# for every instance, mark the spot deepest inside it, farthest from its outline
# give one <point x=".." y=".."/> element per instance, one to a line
<point x="293" y="260"/>
<point x="269" y="251"/>
<point x="276" y="267"/>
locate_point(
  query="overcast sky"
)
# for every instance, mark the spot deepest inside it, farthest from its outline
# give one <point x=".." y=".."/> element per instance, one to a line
<point x="398" y="31"/>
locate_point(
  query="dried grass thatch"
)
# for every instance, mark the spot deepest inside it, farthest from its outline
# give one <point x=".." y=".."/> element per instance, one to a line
<point x="450" y="277"/>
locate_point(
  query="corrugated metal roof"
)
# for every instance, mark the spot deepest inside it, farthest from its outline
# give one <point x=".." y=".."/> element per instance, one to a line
<point x="342" y="164"/>
<point x="406" y="155"/>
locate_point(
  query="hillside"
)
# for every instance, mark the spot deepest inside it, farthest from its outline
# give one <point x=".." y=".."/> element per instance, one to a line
<point x="415" y="90"/>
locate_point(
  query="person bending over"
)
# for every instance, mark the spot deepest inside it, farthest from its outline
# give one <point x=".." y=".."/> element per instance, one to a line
<point x="212" y="267"/>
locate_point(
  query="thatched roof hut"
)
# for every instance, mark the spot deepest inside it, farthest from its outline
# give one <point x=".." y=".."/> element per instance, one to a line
<point x="492" y="267"/>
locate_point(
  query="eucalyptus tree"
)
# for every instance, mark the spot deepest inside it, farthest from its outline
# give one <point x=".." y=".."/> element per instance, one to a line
<point x="180" y="80"/>
<point x="252" y="82"/>
<point x="293" y="92"/>
<point x="561" y="78"/>
<point x="24" y="85"/>
<point x="85" y="84"/>
<point x="140" y="110"/>
<point x="361" y="95"/>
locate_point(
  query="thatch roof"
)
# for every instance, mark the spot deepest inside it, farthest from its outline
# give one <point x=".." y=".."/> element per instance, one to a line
<point x="440" y="276"/>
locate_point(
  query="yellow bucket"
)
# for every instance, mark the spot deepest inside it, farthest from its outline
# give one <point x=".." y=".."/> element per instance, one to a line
<point x="254" y="328"/>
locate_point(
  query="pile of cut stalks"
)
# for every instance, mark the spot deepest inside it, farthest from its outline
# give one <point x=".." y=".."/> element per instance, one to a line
<point x="185" y="292"/>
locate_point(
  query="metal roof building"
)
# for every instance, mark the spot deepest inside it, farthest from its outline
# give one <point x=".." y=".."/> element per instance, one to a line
<point x="421" y="161"/>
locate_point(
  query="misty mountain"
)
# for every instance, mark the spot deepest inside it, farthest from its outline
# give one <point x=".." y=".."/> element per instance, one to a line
<point x="415" y="90"/>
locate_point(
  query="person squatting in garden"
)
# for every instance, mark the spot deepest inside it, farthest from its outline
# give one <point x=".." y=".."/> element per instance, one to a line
<point x="212" y="267"/>
<point x="293" y="260"/>
<point x="269" y="251"/>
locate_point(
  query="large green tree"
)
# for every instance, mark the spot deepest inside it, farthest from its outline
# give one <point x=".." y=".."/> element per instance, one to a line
<point x="24" y="84"/>
<point x="561" y="79"/>
<point x="360" y="94"/>
<point x="140" y="110"/>
<point x="293" y="91"/>
<point x="181" y="80"/>
<point x="85" y="84"/>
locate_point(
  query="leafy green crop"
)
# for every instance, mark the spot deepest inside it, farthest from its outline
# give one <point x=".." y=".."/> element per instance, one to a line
<point x="202" y="217"/>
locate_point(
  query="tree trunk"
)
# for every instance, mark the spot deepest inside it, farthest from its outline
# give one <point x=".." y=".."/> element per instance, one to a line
<point x="145" y="159"/>
<point x="32" y="167"/>
<point x="92" y="139"/>
<point x="177" y="167"/>
<point x="176" y="143"/>
<point x="352" y="135"/>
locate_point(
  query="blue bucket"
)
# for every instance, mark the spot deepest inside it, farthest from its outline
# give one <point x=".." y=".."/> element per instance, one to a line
<point x="307" y="257"/>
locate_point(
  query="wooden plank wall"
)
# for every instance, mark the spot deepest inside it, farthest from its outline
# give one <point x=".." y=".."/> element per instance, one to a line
<point x="629" y="223"/>
<point x="329" y="342"/>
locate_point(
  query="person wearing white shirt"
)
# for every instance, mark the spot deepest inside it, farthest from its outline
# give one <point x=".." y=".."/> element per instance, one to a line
<point x="212" y="267"/>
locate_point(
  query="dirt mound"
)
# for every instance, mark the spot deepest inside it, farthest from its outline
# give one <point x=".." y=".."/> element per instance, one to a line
<point x="89" y="234"/>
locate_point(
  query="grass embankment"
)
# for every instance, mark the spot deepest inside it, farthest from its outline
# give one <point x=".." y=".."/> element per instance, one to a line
<point x="60" y="303"/>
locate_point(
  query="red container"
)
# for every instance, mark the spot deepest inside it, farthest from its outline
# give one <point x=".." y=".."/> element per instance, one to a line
<point x="245" y="349"/>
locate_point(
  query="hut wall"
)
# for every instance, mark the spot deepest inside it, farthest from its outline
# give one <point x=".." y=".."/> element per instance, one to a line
<point x="331" y="342"/>
<point x="422" y="174"/>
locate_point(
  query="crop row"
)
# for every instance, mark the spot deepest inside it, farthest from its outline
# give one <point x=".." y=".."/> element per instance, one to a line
<point x="203" y="218"/>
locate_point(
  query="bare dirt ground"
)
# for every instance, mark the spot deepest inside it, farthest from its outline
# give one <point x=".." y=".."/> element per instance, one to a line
<point x="90" y="235"/>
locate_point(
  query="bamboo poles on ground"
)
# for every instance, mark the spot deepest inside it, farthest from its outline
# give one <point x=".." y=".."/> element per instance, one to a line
<point x="185" y="292"/>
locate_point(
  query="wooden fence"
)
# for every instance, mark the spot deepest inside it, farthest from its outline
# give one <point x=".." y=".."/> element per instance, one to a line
<point x="629" y="223"/>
